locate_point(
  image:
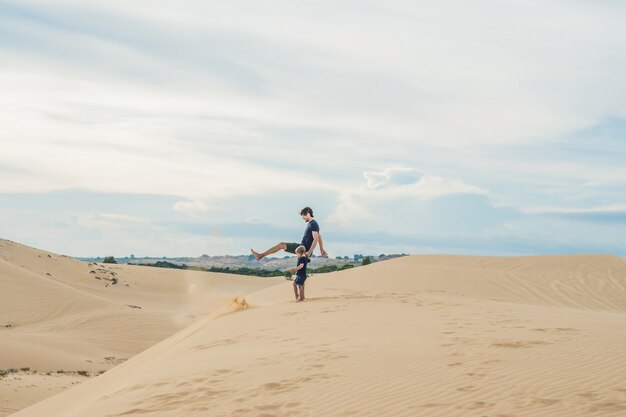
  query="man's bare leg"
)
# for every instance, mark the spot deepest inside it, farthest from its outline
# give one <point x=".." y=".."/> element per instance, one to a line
<point x="273" y="249"/>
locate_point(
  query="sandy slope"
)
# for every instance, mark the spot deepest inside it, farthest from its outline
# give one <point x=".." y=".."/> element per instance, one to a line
<point x="57" y="313"/>
<point x="417" y="336"/>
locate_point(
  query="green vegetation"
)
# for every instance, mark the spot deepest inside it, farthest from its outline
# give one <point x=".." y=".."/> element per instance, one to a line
<point x="366" y="261"/>
<point x="5" y="372"/>
<point x="166" y="264"/>
<point x="330" y="268"/>
<point x="227" y="270"/>
<point x="109" y="260"/>
<point x="245" y="270"/>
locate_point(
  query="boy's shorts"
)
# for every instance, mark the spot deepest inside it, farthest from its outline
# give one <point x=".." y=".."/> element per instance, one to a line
<point x="291" y="247"/>
<point x="299" y="280"/>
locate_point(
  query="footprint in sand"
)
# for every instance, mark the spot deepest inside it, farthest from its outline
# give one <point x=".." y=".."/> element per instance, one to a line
<point x="519" y="343"/>
<point x="479" y="404"/>
<point x="433" y="405"/>
<point x="556" y="330"/>
<point x="589" y="395"/>
<point x="545" y="401"/>
<point x="218" y="343"/>
<point x="476" y="374"/>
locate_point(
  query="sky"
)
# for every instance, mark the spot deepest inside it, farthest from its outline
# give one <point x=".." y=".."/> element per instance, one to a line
<point x="183" y="128"/>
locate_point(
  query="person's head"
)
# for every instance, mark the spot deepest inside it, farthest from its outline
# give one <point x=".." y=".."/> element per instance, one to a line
<point x="300" y="250"/>
<point x="306" y="214"/>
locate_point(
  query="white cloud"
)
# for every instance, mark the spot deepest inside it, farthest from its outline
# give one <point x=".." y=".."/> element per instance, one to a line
<point x="371" y="72"/>
<point x="395" y="181"/>
<point x="108" y="221"/>
<point x="256" y="220"/>
<point x="391" y="188"/>
<point x="350" y="211"/>
<point x="191" y="207"/>
<point x="391" y="176"/>
<point x="609" y="209"/>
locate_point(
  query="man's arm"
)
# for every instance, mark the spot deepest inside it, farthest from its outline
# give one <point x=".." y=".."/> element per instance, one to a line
<point x="316" y="237"/>
<point x="322" y="245"/>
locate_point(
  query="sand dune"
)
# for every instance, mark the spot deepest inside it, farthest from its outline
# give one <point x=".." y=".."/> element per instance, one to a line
<point x="57" y="313"/>
<point x="416" y="336"/>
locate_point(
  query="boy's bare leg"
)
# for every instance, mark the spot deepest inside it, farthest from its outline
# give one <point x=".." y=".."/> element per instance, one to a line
<point x="300" y="290"/>
<point x="273" y="249"/>
<point x="301" y="293"/>
<point x="295" y="290"/>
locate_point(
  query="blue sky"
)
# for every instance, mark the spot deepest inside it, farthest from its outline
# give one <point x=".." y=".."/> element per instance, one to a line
<point x="170" y="129"/>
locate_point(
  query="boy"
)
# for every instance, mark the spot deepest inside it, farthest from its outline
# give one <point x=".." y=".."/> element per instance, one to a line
<point x="300" y="271"/>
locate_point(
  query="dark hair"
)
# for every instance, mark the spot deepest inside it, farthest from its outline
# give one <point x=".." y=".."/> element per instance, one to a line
<point x="306" y="210"/>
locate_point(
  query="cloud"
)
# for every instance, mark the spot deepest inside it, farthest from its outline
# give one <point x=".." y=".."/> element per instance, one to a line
<point x="607" y="214"/>
<point x="108" y="221"/>
<point x="401" y="190"/>
<point x="191" y="207"/>
<point x="391" y="176"/>
<point x="496" y="245"/>
<point x="403" y="180"/>
<point x="255" y="220"/>
<point x="230" y="99"/>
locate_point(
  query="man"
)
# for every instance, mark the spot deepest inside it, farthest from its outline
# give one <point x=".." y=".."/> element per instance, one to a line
<point x="310" y="240"/>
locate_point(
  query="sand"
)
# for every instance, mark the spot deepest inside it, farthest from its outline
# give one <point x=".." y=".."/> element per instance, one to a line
<point x="414" y="336"/>
<point x="60" y="314"/>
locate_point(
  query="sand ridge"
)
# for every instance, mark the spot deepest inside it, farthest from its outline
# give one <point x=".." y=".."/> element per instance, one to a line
<point x="60" y="314"/>
<point x="424" y="335"/>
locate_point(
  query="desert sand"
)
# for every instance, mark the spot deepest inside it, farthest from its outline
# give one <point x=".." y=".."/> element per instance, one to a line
<point x="60" y="316"/>
<point x="415" y="336"/>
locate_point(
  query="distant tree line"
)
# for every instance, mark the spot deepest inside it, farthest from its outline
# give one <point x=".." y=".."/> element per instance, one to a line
<point x="244" y="270"/>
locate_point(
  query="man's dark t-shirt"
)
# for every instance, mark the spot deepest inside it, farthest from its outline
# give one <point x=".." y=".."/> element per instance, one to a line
<point x="307" y="239"/>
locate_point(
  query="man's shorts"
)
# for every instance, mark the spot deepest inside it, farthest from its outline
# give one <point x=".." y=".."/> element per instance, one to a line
<point x="299" y="280"/>
<point x="291" y="247"/>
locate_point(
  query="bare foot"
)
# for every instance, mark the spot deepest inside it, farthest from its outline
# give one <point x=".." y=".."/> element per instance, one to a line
<point x="257" y="256"/>
<point x="298" y="300"/>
